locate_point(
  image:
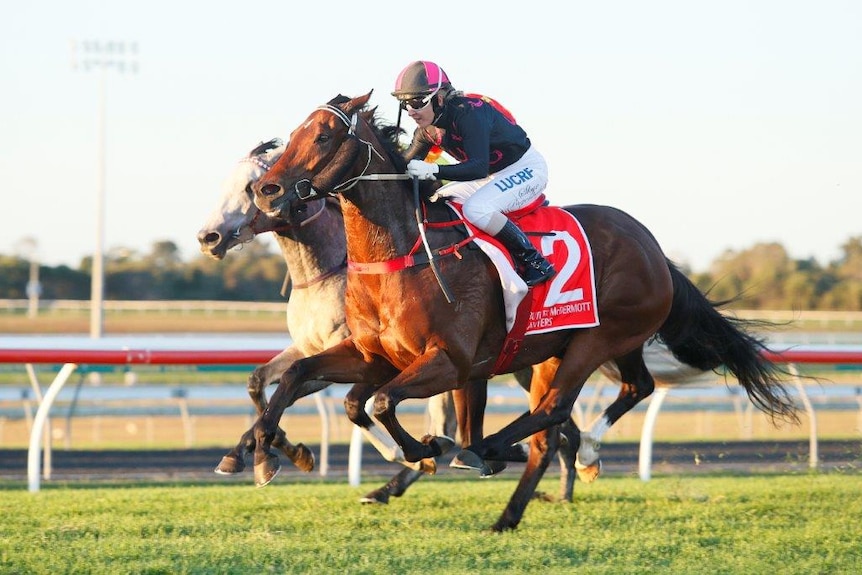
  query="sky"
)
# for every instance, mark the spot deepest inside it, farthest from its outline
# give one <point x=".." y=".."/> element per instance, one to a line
<point x="719" y="125"/>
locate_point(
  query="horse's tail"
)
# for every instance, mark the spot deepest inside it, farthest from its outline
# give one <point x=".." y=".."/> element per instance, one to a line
<point x="700" y="336"/>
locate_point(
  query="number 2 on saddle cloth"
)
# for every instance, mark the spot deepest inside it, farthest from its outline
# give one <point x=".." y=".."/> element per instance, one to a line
<point x="567" y="301"/>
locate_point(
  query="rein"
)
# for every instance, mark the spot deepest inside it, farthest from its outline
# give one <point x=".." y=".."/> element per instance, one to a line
<point x="287" y="226"/>
<point x="327" y="274"/>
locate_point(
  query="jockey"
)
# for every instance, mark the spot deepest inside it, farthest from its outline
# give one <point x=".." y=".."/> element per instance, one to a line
<point x="498" y="170"/>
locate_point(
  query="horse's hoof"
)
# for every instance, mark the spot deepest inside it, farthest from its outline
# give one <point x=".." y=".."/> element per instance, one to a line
<point x="303" y="458"/>
<point x="439" y="444"/>
<point x="589" y="473"/>
<point x="266" y="471"/>
<point x="491" y="468"/>
<point x="467" y="459"/>
<point x="428" y="465"/>
<point x="378" y="496"/>
<point x="502" y="526"/>
<point x="230" y="465"/>
<point x="444" y="442"/>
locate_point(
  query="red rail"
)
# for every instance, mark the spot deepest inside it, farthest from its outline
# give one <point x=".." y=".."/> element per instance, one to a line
<point x="802" y="354"/>
<point x="136" y="356"/>
<point x="828" y="356"/>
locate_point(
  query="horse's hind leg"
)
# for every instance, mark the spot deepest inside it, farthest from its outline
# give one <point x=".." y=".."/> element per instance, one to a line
<point x="543" y="445"/>
<point x="570" y="439"/>
<point x="636" y="383"/>
<point x="568" y="449"/>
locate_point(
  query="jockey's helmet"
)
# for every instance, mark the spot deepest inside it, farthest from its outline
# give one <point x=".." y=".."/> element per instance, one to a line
<point x="420" y="78"/>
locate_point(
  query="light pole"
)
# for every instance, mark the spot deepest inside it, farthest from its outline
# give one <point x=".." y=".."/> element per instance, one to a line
<point x="29" y="249"/>
<point x="102" y="56"/>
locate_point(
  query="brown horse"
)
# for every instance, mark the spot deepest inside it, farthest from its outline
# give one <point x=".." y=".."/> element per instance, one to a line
<point x="311" y="238"/>
<point x="408" y="341"/>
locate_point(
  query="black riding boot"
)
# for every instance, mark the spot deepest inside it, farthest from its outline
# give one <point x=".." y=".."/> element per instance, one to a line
<point x="529" y="263"/>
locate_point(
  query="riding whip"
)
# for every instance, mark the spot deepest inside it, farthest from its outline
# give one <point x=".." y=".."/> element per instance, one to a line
<point x="431" y="262"/>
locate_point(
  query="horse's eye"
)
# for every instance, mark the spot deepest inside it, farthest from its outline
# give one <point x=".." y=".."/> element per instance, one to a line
<point x="323" y="138"/>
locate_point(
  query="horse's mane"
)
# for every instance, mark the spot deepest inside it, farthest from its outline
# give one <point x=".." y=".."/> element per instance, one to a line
<point x="388" y="134"/>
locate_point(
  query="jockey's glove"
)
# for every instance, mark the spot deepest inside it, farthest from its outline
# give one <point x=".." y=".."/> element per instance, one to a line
<point x="422" y="170"/>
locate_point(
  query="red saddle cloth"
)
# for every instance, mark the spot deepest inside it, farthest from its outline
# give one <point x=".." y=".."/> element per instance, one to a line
<point x="568" y="300"/>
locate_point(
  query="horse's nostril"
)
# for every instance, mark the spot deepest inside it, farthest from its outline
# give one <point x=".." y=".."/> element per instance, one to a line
<point x="208" y="238"/>
<point x="270" y="189"/>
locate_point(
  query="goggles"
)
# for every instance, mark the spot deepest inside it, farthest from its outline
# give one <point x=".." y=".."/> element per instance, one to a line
<point x="416" y="104"/>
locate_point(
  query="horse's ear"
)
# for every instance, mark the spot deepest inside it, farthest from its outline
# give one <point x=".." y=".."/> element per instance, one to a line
<point x="338" y="100"/>
<point x="368" y="115"/>
<point x="359" y="102"/>
<point x="265" y="147"/>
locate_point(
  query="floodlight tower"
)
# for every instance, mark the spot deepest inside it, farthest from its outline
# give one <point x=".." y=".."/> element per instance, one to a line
<point x="28" y="248"/>
<point x="102" y="57"/>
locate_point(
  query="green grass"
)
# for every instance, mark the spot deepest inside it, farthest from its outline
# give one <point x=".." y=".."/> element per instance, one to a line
<point x="807" y="523"/>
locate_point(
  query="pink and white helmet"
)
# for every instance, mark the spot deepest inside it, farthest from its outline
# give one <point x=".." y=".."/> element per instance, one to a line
<point x="420" y="78"/>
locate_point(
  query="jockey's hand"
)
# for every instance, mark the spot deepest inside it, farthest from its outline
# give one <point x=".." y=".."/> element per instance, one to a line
<point x="422" y="170"/>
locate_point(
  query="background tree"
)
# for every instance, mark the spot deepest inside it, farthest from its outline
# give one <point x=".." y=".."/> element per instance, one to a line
<point x="763" y="276"/>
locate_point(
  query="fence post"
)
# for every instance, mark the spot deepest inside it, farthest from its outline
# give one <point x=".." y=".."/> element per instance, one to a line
<point x="645" y="455"/>
<point x="39" y="424"/>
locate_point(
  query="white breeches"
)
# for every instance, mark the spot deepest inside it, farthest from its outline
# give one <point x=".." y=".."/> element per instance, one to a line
<point x="486" y="201"/>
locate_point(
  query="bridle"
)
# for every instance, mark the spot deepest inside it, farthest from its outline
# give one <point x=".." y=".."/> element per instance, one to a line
<point x="287" y="226"/>
<point x="304" y="188"/>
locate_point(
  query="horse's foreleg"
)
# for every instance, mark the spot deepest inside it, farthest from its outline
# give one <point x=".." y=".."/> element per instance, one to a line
<point x="354" y="403"/>
<point x="354" y="406"/>
<point x="441" y="412"/>
<point x="395" y="487"/>
<point x="299" y="454"/>
<point x="269" y="373"/>
<point x="233" y="462"/>
<point x="429" y="375"/>
<point x="548" y="407"/>
<point x="268" y="434"/>
<point x="543" y="445"/>
<point x="338" y="364"/>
